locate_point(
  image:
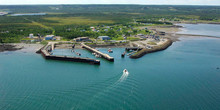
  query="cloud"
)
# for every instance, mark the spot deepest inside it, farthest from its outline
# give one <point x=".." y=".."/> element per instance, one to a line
<point x="157" y="2"/>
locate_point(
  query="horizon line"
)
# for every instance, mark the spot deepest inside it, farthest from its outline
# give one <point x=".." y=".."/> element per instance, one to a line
<point x="115" y="4"/>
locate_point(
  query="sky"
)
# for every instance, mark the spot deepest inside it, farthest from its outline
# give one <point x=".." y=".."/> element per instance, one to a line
<point x="142" y="2"/>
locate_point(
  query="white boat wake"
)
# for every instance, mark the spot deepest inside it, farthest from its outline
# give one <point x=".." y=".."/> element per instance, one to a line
<point x="108" y="88"/>
<point x="124" y="76"/>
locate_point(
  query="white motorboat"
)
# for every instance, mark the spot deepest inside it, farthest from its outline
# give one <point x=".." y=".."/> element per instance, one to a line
<point x="110" y="51"/>
<point x="97" y="56"/>
<point x="125" y="71"/>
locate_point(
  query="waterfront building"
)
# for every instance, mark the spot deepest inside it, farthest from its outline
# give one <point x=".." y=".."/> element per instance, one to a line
<point x="93" y="28"/>
<point x="50" y="37"/>
<point x="31" y="35"/>
<point x="3" y="13"/>
<point x="104" y="38"/>
<point x="161" y="33"/>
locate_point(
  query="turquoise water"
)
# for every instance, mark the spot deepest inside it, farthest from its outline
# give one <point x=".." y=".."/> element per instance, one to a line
<point x="183" y="77"/>
<point x="201" y="29"/>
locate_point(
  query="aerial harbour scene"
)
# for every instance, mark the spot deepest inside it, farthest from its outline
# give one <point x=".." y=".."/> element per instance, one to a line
<point x="109" y="55"/>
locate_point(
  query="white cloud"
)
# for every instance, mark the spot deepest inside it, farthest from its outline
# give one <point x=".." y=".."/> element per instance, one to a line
<point x="158" y="2"/>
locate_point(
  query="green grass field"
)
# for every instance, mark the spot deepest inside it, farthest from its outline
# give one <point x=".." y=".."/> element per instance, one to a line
<point x="77" y="20"/>
<point x="68" y="21"/>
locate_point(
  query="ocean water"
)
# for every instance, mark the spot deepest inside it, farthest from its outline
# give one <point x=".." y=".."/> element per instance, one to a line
<point x="201" y="29"/>
<point x="28" y="14"/>
<point x="183" y="77"/>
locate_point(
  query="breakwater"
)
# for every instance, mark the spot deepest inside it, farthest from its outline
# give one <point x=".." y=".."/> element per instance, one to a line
<point x="133" y="48"/>
<point x="154" y="49"/>
<point x="197" y="35"/>
<point x="46" y="52"/>
<point x="103" y="55"/>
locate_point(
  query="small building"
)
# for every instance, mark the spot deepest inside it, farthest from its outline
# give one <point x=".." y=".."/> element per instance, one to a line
<point x="3" y="13"/>
<point x="104" y="38"/>
<point x="140" y="35"/>
<point x="50" y="37"/>
<point x="143" y="37"/>
<point x="93" y="28"/>
<point x="161" y="33"/>
<point x="31" y="35"/>
<point x="122" y="41"/>
<point x="82" y="39"/>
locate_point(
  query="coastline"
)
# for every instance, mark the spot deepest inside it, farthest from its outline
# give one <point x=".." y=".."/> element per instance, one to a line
<point x="196" y="22"/>
<point x="9" y="47"/>
<point x="170" y="33"/>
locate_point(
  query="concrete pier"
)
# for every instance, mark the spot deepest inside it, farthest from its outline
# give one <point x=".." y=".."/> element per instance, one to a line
<point x="106" y="56"/>
<point x="46" y="52"/>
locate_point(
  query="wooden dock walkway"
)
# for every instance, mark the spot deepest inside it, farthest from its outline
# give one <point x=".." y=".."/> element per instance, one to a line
<point x="106" y="56"/>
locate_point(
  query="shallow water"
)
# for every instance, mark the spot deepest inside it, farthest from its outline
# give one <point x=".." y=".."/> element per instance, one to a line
<point x="201" y="29"/>
<point x="184" y="76"/>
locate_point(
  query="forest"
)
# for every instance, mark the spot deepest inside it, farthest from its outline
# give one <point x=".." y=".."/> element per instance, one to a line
<point x="70" y="21"/>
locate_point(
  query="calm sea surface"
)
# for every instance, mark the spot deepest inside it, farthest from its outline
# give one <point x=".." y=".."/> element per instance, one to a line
<point x="201" y="29"/>
<point x="183" y="77"/>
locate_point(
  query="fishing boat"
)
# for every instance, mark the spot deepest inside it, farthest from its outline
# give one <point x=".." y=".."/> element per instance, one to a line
<point x="93" y="53"/>
<point x="110" y="51"/>
<point x="125" y="71"/>
<point x="97" y="56"/>
<point x="123" y="54"/>
<point x="73" y="46"/>
<point x="79" y="54"/>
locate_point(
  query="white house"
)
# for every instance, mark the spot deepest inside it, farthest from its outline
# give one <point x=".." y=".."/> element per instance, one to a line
<point x="31" y="35"/>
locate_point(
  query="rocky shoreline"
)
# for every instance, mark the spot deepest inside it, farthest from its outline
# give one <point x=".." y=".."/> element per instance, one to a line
<point x="9" y="47"/>
<point x="19" y="47"/>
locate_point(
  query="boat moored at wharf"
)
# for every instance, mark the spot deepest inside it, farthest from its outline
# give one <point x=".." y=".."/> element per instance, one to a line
<point x="46" y="52"/>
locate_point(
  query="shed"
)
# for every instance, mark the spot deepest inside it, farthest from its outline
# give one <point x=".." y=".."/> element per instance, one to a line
<point x="31" y="35"/>
<point x="104" y="38"/>
<point x="161" y="33"/>
<point x="50" y="37"/>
